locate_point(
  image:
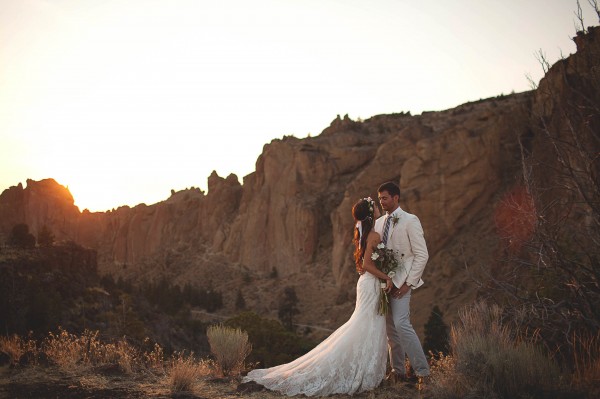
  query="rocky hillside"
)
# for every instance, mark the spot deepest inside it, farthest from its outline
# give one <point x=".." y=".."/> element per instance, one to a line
<point x="292" y="214"/>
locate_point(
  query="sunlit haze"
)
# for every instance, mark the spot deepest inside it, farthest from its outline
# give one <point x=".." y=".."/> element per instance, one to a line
<point x="124" y="100"/>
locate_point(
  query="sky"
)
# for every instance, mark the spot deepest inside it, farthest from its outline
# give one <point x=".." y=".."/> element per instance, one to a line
<point x="123" y="101"/>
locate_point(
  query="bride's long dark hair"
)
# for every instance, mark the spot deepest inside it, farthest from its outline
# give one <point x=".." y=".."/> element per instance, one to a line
<point x="363" y="213"/>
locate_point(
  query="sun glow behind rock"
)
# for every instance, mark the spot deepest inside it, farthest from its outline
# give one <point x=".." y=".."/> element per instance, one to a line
<point x="125" y="100"/>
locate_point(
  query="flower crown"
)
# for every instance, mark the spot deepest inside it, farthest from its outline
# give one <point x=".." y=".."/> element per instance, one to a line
<point x="369" y="216"/>
<point x="371" y="208"/>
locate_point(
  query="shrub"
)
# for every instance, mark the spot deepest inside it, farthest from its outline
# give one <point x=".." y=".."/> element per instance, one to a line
<point x="586" y="360"/>
<point x="15" y="347"/>
<point x="447" y="382"/>
<point x="121" y="353"/>
<point x="45" y="237"/>
<point x="272" y="344"/>
<point x="21" y="237"/>
<point x="230" y="347"/>
<point x="184" y="371"/>
<point x="154" y="359"/>
<point x="69" y="350"/>
<point x="66" y="350"/>
<point x="490" y="360"/>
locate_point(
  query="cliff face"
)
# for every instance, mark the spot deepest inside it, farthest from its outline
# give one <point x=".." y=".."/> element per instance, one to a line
<point x="296" y="205"/>
<point x="43" y="202"/>
<point x="564" y="138"/>
<point x="293" y="212"/>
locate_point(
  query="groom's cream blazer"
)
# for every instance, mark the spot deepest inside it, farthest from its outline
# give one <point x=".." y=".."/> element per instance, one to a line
<point x="406" y="238"/>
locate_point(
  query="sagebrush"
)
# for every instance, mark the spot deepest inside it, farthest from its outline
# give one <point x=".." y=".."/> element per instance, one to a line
<point x="230" y="347"/>
<point x="490" y="359"/>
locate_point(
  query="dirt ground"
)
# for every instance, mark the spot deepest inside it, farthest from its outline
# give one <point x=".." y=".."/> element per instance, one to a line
<point x="52" y="383"/>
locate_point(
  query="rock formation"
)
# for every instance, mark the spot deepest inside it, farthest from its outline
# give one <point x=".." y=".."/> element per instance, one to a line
<point x="293" y="213"/>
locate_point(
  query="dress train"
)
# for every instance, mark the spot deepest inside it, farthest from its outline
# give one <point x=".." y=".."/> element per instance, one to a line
<point x="352" y="359"/>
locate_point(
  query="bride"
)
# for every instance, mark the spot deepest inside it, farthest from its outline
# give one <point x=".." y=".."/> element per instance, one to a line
<point x="353" y="358"/>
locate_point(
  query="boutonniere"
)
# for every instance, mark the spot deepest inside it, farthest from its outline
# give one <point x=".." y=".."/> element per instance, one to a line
<point x="395" y="220"/>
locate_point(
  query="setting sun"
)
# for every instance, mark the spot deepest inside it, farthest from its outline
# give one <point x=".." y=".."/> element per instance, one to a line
<point x="124" y="101"/>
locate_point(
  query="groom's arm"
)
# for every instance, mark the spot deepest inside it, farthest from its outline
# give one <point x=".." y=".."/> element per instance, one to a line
<point x="419" y="249"/>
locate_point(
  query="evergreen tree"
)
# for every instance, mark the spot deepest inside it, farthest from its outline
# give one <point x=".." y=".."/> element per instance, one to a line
<point x="45" y="237"/>
<point x="288" y="308"/>
<point x="21" y="237"/>
<point x="240" y="302"/>
<point x="436" y="333"/>
<point x="214" y="301"/>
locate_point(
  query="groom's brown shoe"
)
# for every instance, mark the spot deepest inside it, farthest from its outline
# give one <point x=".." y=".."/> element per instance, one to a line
<point x="423" y="382"/>
<point x="393" y="377"/>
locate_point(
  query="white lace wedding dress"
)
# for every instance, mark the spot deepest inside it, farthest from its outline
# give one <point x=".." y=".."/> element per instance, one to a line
<point x="352" y="359"/>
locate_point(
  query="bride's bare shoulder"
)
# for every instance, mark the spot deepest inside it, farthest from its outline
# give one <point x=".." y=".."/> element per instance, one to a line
<point x="374" y="236"/>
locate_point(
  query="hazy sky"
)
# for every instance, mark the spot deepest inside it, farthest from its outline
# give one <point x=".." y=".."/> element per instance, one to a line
<point x="124" y="100"/>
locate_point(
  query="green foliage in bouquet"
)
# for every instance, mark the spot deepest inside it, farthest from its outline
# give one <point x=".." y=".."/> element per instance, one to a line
<point x="385" y="259"/>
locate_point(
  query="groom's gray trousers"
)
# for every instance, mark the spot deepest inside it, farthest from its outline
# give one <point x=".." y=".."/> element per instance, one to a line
<point x="402" y="338"/>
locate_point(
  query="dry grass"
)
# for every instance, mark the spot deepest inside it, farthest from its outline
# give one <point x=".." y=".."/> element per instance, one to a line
<point x="489" y="360"/>
<point x="84" y="356"/>
<point x="70" y="351"/>
<point x="230" y="347"/>
<point x="184" y="372"/>
<point x="25" y="382"/>
<point x="72" y="371"/>
<point x="155" y="358"/>
<point x="586" y="359"/>
<point x="121" y="353"/>
<point x="15" y="347"/>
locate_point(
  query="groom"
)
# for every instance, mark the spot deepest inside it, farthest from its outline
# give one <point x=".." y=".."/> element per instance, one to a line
<point x="402" y="232"/>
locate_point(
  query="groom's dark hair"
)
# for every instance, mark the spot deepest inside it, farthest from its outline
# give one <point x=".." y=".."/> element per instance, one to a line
<point x="391" y="187"/>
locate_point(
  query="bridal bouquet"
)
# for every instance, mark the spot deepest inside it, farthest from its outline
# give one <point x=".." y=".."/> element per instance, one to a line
<point x="385" y="260"/>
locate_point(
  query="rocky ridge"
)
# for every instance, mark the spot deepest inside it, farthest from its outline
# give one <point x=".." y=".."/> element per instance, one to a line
<point x="293" y="213"/>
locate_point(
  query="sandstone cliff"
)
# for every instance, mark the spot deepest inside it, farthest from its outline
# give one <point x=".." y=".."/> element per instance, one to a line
<point x="293" y="213"/>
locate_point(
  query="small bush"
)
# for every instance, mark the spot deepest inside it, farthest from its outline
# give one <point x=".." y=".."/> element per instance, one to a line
<point x="45" y="237"/>
<point x="15" y="347"/>
<point x="69" y="350"/>
<point x="586" y="360"/>
<point x="230" y="348"/>
<point x="21" y="237"/>
<point x="121" y="353"/>
<point x="154" y="359"/>
<point x="272" y="344"/>
<point x="489" y="360"/>
<point x="447" y="382"/>
<point x="184" y="371"/>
